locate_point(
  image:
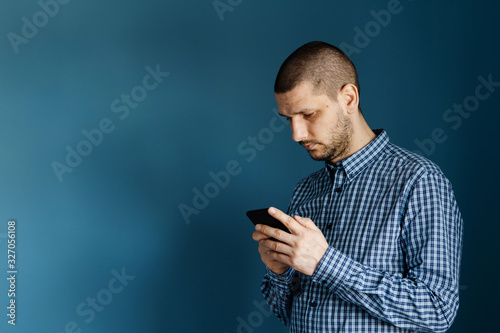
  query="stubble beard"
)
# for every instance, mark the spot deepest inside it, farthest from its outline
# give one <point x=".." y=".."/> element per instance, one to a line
<point x="339" y="142"/>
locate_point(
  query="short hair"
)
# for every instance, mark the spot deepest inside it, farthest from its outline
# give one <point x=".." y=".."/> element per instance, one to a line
<point x="322" y="64"/>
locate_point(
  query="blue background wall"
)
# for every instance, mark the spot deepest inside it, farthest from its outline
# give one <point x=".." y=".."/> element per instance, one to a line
<point x="117" y="212"/>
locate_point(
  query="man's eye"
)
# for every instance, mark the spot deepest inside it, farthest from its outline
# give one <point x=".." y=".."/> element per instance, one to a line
<point x="308" y="115"/>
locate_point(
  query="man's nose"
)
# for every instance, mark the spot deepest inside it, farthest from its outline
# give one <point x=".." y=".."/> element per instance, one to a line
<point x="299" y="130"/>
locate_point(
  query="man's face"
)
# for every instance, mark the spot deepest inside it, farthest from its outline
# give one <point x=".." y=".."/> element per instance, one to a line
<point x="319" y="124"/>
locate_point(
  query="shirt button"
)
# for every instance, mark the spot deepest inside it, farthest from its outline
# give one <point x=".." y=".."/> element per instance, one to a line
<point x="338" y="190"/>
<point x="329" y="226"/>
<point x="313" y="304"/>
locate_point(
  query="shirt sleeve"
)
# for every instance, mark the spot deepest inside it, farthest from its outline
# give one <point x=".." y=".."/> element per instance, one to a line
<point x="425" y="296"/>
<point x="278" y="291"/>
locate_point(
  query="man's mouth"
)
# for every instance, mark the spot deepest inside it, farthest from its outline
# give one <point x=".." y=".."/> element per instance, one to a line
<point x="309" y="146"/>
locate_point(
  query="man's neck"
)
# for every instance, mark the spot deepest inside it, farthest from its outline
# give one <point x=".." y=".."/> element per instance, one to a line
<point x="362" y="135"/>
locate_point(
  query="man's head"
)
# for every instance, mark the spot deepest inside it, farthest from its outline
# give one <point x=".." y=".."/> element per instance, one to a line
<point x="317" y="89"/>
<point x="322" y="64"/>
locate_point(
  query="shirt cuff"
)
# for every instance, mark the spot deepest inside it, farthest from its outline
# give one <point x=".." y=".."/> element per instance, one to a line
<point x="335" y="269"/>
<point x="282" y="281"/>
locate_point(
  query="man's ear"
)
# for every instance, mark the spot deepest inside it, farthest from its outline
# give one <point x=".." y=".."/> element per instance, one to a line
<point x="350" y="97"/>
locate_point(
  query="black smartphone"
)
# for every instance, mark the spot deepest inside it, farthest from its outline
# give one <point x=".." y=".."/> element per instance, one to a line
<point x="261" y="216"/>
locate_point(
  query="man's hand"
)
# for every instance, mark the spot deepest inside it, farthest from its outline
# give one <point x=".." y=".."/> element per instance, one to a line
<point x="274" y="265"/>
<point x="302" y="249"/>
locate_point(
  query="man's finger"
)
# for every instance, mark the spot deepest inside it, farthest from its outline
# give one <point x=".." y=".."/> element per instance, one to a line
<point x="278" y="234"/>
<point x="258" y="236"/>
<point x="287" y="220"/>
<point x="282" y="258"/>
<point x="305" y="222"/>
<point x="276" y="246"/>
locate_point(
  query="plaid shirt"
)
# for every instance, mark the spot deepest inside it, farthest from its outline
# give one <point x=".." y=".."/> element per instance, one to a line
<point x="395" y="237"/>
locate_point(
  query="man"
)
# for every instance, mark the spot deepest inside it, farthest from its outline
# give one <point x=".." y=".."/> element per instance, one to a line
<point x="376" y="235"/>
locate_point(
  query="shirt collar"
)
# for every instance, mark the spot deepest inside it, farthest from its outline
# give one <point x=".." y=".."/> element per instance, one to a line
<point x="358" y="161"/>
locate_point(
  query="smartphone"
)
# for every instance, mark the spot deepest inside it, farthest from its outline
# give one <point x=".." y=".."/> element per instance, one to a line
<point x="261" y="216"/>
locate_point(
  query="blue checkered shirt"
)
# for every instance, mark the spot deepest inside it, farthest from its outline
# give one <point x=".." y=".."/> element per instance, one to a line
<point x="395" y="237"/>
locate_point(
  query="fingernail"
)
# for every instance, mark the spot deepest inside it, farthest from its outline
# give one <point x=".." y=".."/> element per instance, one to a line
<point x="272" y="210"/>
<point x="257" y="227"/>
